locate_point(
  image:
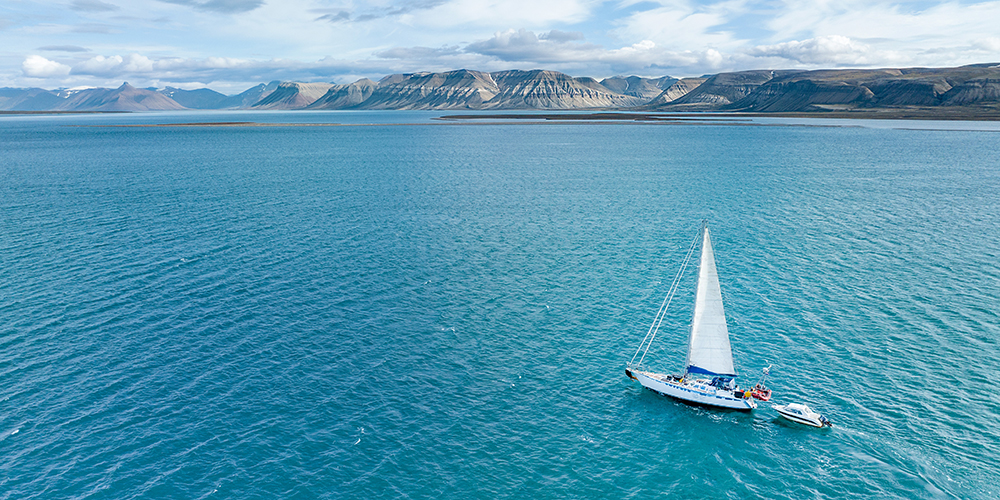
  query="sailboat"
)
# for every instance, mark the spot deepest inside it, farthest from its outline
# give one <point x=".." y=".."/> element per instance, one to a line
<point x="709" y="377"/>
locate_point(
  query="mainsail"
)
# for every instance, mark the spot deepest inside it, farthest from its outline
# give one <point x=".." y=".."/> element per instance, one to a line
<point x="708" y="346"/>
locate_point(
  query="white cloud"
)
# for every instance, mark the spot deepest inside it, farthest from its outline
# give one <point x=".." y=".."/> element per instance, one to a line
<point x="562" y="36"/>
<point x="988" y="44"/>
<point x="712" y="58"/>
<point x="524" y="45"/>
<point x="241" y="42"/>
<point x="40" y="67"/>
<point x="64" y="48"/>
<point x="93" y="6"/>
<point x="221" y="6"/>
<point x="833" y="50"/>
<point x="893" y="22"/>
<point x="220" y="73"/>
<point x="644" y="57"/>
<point x="114" y="66"/>
<point x="529" y="13"/>
<point x="682" y="25"/>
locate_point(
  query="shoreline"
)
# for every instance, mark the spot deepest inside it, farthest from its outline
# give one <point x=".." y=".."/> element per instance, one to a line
<point x="53" y="112"/>
<point x="916" y="113"/>
<point x="693" y="116"/>
<point x="448" y="121"/>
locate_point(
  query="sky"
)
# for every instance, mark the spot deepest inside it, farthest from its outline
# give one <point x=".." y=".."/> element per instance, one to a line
<point x="231" y="45"/>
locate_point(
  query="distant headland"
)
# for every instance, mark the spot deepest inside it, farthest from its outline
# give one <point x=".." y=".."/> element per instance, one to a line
<point x="962" y="93"/>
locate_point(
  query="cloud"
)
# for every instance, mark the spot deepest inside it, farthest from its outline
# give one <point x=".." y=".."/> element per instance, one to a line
<point x="417" y="53"/>
<point x="988" y="44"/>
<point x="220" y="72"/>
<point x="560" y="48"/>
<point x="562" y="36"/>
<point x="40" y="67"/>
<point x="97" y="28"/>
<point x="916" y="25"/>
<point x="572" y="54"/>
<point x="114" y="66"/>
<point x="530" y="14"/>
<point x="372" y="14"/>
<point x="683" y="25"/>
<point x="92" y="6"/>
<point x="64" y="48"/>
<point x="220" y="6"/>
<point x="832" y="50"/>
<point x="524" y="45"/>
<point x="339" y="16"/>
<point x="265" y="40"/>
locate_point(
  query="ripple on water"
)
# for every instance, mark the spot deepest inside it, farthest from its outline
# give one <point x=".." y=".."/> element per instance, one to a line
<point x="446" y="311"/>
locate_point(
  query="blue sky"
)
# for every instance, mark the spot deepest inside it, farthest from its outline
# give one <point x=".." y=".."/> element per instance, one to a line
<point x="230" y="45"/>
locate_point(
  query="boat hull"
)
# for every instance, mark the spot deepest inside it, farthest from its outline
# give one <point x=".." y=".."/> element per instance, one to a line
<point x="663" y="385"/>
<point x="810" y="420"/>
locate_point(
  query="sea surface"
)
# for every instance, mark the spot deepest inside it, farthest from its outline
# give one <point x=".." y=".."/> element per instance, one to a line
<point x="402" y="307"/>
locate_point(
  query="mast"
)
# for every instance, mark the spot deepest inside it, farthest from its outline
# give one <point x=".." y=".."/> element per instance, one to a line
<point x="709" y="351"/>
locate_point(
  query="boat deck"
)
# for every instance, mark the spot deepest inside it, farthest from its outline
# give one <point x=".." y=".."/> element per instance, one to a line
<point x="697" y="390"/>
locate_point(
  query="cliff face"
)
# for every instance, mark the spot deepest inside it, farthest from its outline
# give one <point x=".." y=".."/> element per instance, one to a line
<point x="902" y="92"/>
<point x="960" y="91"/>
<point x="803" y="94"/>
<point x="804" y="91"/>
<point x="643" y="88"/>
<point x="832" y="89"/>
<point x="724" y="89"/>
<point x="128" y="98"/>
<point x="679" y="89"/>
<point x="465" y="89"/>
<point x="195" y="99"/>
<point x="974" y="91"/>
<point x="345" y="96"/>
<point x="250" y="96"/>
<point x="462" y="89"/>
<point x="541" y="89"/>
<point x="29" y="99"/>
<point x="293" y="95"/>
<point x="124" y="98"/>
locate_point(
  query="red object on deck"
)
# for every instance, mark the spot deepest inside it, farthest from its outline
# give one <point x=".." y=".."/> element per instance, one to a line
<point x="760" y="392"/>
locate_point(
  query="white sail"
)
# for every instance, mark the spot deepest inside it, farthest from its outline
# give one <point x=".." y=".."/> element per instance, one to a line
<point x="708" y="346"/>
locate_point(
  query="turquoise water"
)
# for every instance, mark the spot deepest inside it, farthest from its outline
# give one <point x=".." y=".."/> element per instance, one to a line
<point x="445" y="310"/>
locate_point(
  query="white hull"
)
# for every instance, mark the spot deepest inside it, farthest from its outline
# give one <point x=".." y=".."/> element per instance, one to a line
<point x="693" y="393"/>
<point x="804" y="416"/>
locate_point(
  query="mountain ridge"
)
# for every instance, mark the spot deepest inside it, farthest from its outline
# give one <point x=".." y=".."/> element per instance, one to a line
<point x="971" y="87"/>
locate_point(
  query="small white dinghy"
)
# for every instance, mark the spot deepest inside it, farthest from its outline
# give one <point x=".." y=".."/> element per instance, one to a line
<point x="802" y="414"/>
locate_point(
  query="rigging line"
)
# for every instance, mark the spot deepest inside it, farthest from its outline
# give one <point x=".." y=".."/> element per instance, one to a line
<point x="653" y="328"/>
<point x="663" y="309"/>
<point x="687" y="259"/>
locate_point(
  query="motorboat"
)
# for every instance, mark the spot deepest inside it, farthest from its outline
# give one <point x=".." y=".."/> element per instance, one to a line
<point x="802" y="414"/>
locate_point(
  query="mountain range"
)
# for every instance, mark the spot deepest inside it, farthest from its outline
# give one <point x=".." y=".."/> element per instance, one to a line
<point x="973" y="87"/>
